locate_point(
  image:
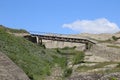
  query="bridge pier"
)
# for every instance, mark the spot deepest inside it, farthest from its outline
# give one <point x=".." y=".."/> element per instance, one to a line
<point x="38" y="40"/>
<point x="88" y="46"/>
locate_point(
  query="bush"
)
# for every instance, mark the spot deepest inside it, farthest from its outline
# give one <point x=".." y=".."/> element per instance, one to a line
<point x="78" y="58"/>
<point x="43" y="45"/>
<point x="118" y="65"/>
<point x="67" y="72"/>
<point x="65" y="48"/>
<point x="113" y="78"/>
<point x="68" y="48"/>
<point x="114" y="38"/>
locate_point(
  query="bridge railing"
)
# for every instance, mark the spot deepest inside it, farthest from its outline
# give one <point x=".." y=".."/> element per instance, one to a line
<point x="47" y="33"/>
<point x="55" y="34"/>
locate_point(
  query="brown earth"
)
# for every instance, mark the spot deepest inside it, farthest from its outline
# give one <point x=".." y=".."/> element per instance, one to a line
<point x="9" y="70"/>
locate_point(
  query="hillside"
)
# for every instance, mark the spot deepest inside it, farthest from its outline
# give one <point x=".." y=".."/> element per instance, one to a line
<point x="102" y="61"/>
<point x="35" y="60"/>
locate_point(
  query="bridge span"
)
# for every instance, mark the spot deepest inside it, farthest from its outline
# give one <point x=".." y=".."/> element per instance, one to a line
<point x="40" y="37"/>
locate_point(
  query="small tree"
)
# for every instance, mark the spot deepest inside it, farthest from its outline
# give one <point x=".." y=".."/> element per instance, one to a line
<point x="114" y="38"/>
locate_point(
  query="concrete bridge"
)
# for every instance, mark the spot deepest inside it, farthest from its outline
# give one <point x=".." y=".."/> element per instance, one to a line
<point x="37" y="38"/>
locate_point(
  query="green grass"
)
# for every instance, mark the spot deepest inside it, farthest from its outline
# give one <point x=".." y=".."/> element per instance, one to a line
<point x="33" y="59"/>
<point x="67" y="51"/>
<point x="98" y="65"/>
<point x="103" y="41"/>
<point x="67" y="72"/>
<point x="113" y="78"/>
<point x="78" y="58"/>
<point x="13" y="30"/>
<point x="113" y="46"/>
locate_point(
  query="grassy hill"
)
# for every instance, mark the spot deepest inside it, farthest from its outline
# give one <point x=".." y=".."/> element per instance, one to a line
<point x="12" y="30"/>
<point x="39" y="63"/>
<point x="33" y="59"/>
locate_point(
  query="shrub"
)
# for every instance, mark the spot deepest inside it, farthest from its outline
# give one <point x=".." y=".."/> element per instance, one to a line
<point x="65" y="48"/>
<point x="113" y="78"/>
<point x="67" y="72"/>
<point x="68" y="48"/>
<point x="62" y="61"/>
<point x="118" y="65"/>
<point x="43" y="45"/>
<point x="78" y="58"/>
<point x="114" y="38"/>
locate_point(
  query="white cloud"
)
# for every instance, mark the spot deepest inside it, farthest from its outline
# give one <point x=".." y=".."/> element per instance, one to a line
<point x="101" y="25"/>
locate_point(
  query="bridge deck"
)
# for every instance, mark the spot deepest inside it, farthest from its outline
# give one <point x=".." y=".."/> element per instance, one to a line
<point x="64" y="39"/>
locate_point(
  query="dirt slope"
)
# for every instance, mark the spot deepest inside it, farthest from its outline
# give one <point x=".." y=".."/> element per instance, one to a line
<point x="10" y="71"/>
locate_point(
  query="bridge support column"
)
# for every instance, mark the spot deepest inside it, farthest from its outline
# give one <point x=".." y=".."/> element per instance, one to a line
<point x="38" y="40"/>
<point x="88" y="46"/>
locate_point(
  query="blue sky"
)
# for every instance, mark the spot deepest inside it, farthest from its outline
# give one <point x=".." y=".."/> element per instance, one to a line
<point x="61" y="16"/>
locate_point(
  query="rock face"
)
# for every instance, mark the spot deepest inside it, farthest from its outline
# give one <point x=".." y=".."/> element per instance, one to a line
<point x="58" y="44"/>
<point x="94" y="76"/>
<point x="10" y="71"/>
<point x="102" y="53"/>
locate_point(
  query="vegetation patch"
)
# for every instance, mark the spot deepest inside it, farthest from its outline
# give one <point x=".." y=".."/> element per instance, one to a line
<point x="103" y="41"/>
<point x="67" y="51"/>
<point x="113" y="78"/>
<point x="85" y="68"/>
<point x="35" y="60"/>
<point x="12" y="30"/>
<point x="79" y="57"/>
<point x="67" y="72"/>
<point x="115" y="38"/>
<point x="113" y="46"/>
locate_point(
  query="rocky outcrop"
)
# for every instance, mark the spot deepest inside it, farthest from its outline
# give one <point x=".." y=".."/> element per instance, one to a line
<point x="96" y="76"/>
<point x="9" y="70"/>
<point x="59" y="44"/>
<point x="102" y="53"/>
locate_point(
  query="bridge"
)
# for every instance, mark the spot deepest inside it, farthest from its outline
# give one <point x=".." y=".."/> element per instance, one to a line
<point x="40" y="37"/>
